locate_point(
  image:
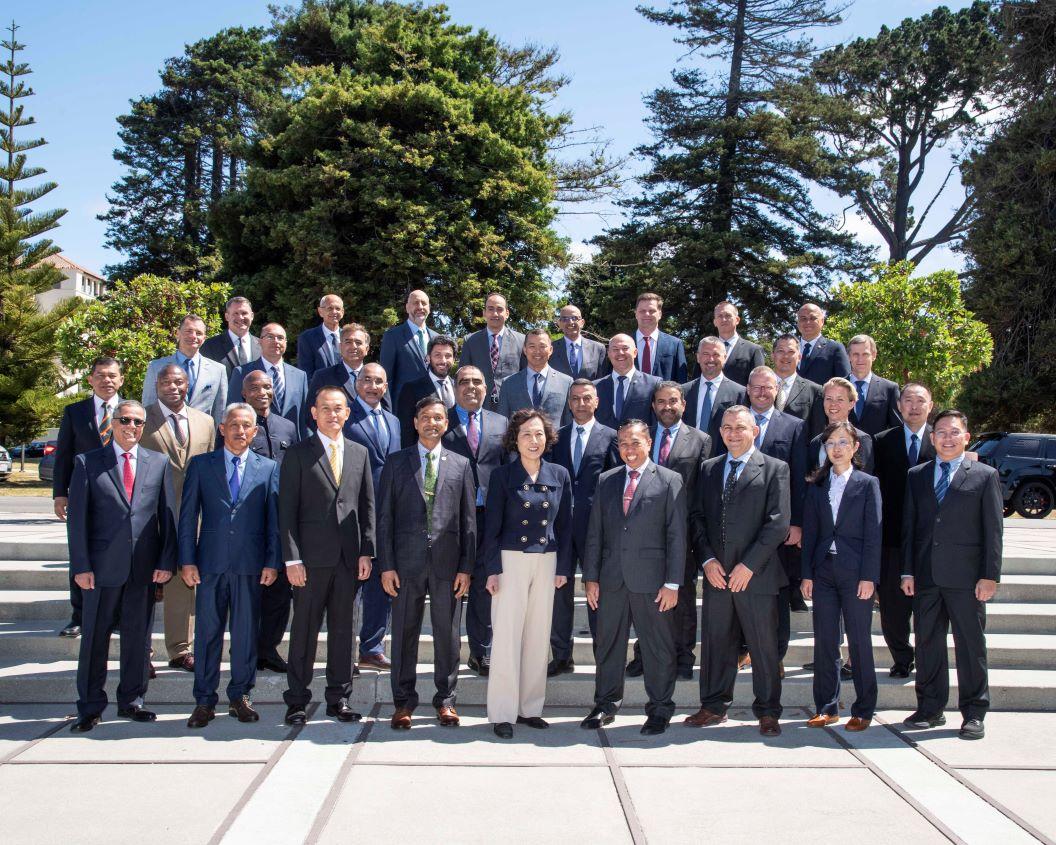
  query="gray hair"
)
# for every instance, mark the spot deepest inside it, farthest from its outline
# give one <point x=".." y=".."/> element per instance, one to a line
<point x="712" y="340"/>
<point x="128" y="403"/>
<point x="762" y="368"/>
<point x="239" y="406"/>
<point x="238" y="300"/>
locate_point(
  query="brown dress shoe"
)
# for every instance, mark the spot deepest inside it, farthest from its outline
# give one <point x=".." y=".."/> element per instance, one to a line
<point x="184" y="661"/>
<point x="821" y="720"/>
<point x="243" y="709"/>
<point x="857" y="724"/>
<point x="447" y="717"/>
<point x="375" y="661"/>
<point x="401" y="719"/>
<point x="781" y="669"/>
<point x="768" y="726"/>
<point x="201" y="716"/>
<point x="704" y="718"/>
<point x="744" y="661"/>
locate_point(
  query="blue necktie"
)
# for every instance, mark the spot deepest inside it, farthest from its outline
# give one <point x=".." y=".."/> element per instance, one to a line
<point x="943" y="483"/>
<point x="914" y="450"/>
<point x="617" y="406"/>
<point x="573" y="359"/>
<point x="381" y="430"/>
<point x="760" y="420"/>
<point x="279" y="388"/>
<point x="859" y="406"/>
<point x="537" y="390"/>
<point x="233" y="483"/>
<point x="331" y="348"/>
<point x="705" y="409"/>
<point x="806" y="354"/>
<point x="192" y="377"/>
<point x="577" y="450"/>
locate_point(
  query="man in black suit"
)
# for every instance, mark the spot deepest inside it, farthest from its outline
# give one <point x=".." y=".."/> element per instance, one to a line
<point x="575" y="355"/>
<point x="586" y="448"/>
<point x="820" y="357"/>
<point x="437" y="380"/>
<point x="896" y="451"/>
<point x="740" y="519"/>
<point x="476" y="434"/>
<point x="319" y="346"/>
<point x="326" y="522"/>
<point x="709" y="395"/>
<point x="427" y="546"/>
<point x="235" y="346"/>
<point x="496" y="350"/>
<point x="355" y="346"/>
<point x="877" y="405"/>
<point x="86" y="425"/>
<point x="742" y="356"/>
<point x="405" y="348"/>
<point x="122" y="543"/>
<point x="632" y="569"/>
<point x="625" y="394"/>
<point x="951" y="546"/>
<point x="838" y="398"/>
<point x="796" y="395"/>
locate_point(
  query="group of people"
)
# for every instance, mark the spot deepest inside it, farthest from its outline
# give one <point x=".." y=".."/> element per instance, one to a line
<point x="241" y="488"/>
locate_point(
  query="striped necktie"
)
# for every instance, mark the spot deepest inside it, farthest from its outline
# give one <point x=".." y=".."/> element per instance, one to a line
<point x="943" y="484"/>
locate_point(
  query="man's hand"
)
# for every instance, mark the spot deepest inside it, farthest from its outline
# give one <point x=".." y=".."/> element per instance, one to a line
<point x="806" y="587"/>
<point x="907" y="585"/>
<point x="560" y="581"/>
<point x="268" y="575"/>
<point x="190" y="575"/>
<point x="714" y="573"/>
<point x="85" y="580"/>
<point x="492" y="586"/>
<point x="985" y="589"/>
<point x="795" y="536"/>
<point x="666" y="598"/>
<point x="296" y="574"/>
<point x="364" y="567"/>
<point x="866" y="589"/>
<point x="161" y="576"/>
<point x="461" y="584"/>
<point x="593" y="589"/>
<point x="60" y="507"/>
<point x="390" y="582"/>
<point x="740" y="577"/>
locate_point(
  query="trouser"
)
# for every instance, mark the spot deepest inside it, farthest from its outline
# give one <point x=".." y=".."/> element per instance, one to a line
<point x="896" y="609"/>
<point x="521" y="612"/>
<point x="177" y="611"/>
<point x="128" y="609"/>
<point x="375" y="604"/>
<point x="222" y="595"/>
<point x="684" y="621"/>
<point x="564" y="619"/>
<point x="478" y="605"/>
<point x="617" y="608"/>
<point x="275" y="604"/>
<point x="445" y="613"/>
<point x="836" y="596"/>
<point x="76" y="602"/>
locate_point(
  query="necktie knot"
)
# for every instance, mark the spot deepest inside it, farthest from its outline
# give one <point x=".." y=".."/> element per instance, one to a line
<point x="633" y="474"/>
<point x="945" y="466"/>
<point x="760" y="419"/>
<point x="734" y="466"/>
<point x="859" y="386"/>
<point x="580" y="430"/>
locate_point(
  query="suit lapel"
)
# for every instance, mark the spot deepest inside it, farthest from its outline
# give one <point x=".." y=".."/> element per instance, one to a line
<point x="958" y="480"/>
<point x="219" y="462"/>
<point x="848" y="493"/>
<point x="114" y="471"/>
<point x="251" y="460"/>
<point x="647" y="479"/>
<point x="143" y="462"/>
<point x="752" y="469"/>
<point x="324" y="462"/>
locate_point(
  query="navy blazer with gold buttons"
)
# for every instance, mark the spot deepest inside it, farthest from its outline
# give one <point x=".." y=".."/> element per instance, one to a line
<point x="523" y="516"/>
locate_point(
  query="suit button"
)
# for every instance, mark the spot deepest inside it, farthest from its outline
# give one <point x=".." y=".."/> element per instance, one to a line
<point x="232" y="531"/>
<point x="340" y="501"/>
<point x="524" y="522"/>
<point x="524" y="539"/>
<point x="544" y="488"/>
<point x="527" y="504"/>
<point x="543" y="522"/>
<point x="542" y="540"/>
<point x="546" y="504"/>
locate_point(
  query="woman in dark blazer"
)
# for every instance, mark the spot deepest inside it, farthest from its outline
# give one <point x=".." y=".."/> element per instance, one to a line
<point x="527" y="552"/>
<point x="841" y="567"/>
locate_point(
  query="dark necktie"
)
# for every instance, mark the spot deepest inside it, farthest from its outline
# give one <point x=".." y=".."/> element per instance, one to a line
<point x="331" y="348"/>
<point x="914" y="450"/>
<point x="705" y="408"/>
<point x="577" y="450"/>
<point x="421" y="343"/>
<point x="181" y="438"/>
<point x="665" y="447"/>
<point x="262" y="422"/>
<point x="859" y="406"/>
<point x="106" y="426"/>
<point x="617" y="405"/>
<point x="647" y="357"/>
<point x="537" y="390"/>
<point x="760" y="420"/>
<point x="727" y="495"/>
<point x="381" y="430"/>
<point x="234" y="483"/>
<point x="494" y="353"/>
<point x="943" y="484"/>
<point x="430" y="488"/>
<point x="806" y="354"/>
<point x="242" y="359"/>
<point x="278" y="388"/>
<point x="573" y="359"/>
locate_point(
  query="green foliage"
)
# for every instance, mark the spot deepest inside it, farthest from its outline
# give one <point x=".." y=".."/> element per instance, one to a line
<point x="922" y="329"/>
<point x="136" y="321"/>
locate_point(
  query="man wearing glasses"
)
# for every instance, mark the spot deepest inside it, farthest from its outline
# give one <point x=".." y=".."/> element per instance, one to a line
<point x="575" y="355"/>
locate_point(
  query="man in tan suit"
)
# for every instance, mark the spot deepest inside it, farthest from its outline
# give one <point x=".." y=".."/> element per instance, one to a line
<point x="180" y="432"/>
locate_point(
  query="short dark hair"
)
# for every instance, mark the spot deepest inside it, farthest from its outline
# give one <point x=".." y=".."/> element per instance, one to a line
<point x="649" y="295"/>
<point x="519" y="418"/>
<point x="441" y="340"/>
<point x="633" y="424"/>
<point x="785" y="336"/>
<point x="106" y="361"/>
<point x="329" y="388"/>
<point x="192" y="317"/>
<point x="238" y="300"/>
<point x="538" y="332"/>
<point x="910" y="384"/>
<point x="427" y="402"/>
<point x="582" y="382"/>
<point x="950" y="413"/>
<point x="668" y="385"/>
<point x="821" y="473"/>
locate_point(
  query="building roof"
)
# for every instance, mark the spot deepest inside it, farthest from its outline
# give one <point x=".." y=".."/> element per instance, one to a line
<point x="63" y="263"/>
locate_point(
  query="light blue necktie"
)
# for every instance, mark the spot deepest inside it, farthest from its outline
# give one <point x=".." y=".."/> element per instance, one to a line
<point x="705" y="409"/>
<point x="381" y="430"/>
<point x="577" y="450"/>
<point x="943" y="483"/>
<point x="233" y="482"/>
<point x="192" y="376"/>
<point x="760" y="420"/>
<point x="617" y="406"/>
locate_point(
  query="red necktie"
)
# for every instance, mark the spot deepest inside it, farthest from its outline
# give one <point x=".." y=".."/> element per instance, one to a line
<point x="127" y="477"/>
<point x="647" y="359"/>
<point x="628" y="494"/>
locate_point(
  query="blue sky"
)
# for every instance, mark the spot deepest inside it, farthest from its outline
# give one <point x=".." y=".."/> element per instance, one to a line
<point x="90" y="59"/>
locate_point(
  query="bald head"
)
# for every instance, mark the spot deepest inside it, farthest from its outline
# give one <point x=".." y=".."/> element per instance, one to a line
<point x="622" y="352"/>
<point x="417" y="307"/>
<point x="258" y="391"/>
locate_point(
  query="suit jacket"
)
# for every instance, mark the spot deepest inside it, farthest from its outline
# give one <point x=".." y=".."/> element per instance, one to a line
<point x="805" y="400"/>
<point x="637" y="400"/>
<point x="274" y="436"/>
<point x="856" y="530"/>
<point x="490" y="452"/>
<point x="955" y="543"/>
<point x="475" y="352"/>
<point x="360" y="429"/>
<point x="669" y="358"/>
<point x="407" y="542"/>
<point x="210" y="386"/>
<point x="240" y="537"/>
<point x="600" y="453"/>
<point x="865" y="452"/>
<point x="688" y="453"/>
<point x="594" y="362"/>
<point x="516" y="394"/>
<point x="323" y="520"/>
<point x="219" y="348"/>
<point x="785" y="438"/>
<point x="402" y="358"/>
<point x="827" y="358"/>
<point x="121" y="543"/>
<point x="646" y="548"/>
<point x="337" y="376"/>
<point x="728" y="393"/>
<point x="891" y="466"/>
<point x="295" y="400"/>
<point x="742" y="359"/>
<point x="756" y="526"/>
<point x="411" y="392"/>
<point x="158" y="436"/>
<point x="881" y="406"/>
<point x="78" y="433"/>
<point x="314" y="353"/>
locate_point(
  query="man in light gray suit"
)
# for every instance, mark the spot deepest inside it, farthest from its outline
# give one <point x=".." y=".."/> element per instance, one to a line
<point x="497" y="350"/>
<point x="634" y="564"/>
<point x="538" y="385"/>
<point x="206" y="379"/>
<point x="575" y="355"/>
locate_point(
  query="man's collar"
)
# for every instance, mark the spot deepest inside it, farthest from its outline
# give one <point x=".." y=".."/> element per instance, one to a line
<point x="499" y="333"/>
<point x="327" y="441"/>
<point x="715" y="381"/>
<point x="654" y="335"/>
<point x="180" y="357"/>
<point x="134" y="451"/>
<point x="268" y="363"/>
<point x="544" y="372"/>
<point x="235" y="339"/>
<point x="908" y="432"/>
<point x="414" y="327"/>
<point x="767" y="413"/>
<point x="641" y="470"/>
<point x="743" y="458"/>
<point x="587" y="426"/>
<point x="166" y="410"/>
<point x="366" y="406"/>
<point x="868" y="378"/>
<point x="355" y="370"/>
<point x="629" y="375"/>
<point x="422" y="451"/>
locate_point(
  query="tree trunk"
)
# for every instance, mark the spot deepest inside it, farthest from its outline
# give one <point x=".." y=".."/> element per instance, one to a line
<point x="216" y="187"/>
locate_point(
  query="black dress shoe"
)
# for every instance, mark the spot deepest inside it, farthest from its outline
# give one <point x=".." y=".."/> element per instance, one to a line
<point x="295" y="715"/>
<point x="201" y="716"/>
<point x="797" y="604"/>
<point x="846" y="673"/>
<point x="654" y="726"/>
<point x="272" y="664"/>
<point x="84" y="724"/>
<point x="972" y="729"/>
<point x="809" y="667"/>
<point x="70" y="630"/>
<point x="634" y="668"/>
<point x="480" y="665"/>
<point x="560" y="667"/>
<point x="342" y="712"/>
<point x="900" y="671"/>
<point x="533" y="722"/>
<point x="922" y="721"/>
<point x="596" y="719"/>
<point x="503" y="730"/>
<point x="684" y="672"/>
<point x="137" y="713"/>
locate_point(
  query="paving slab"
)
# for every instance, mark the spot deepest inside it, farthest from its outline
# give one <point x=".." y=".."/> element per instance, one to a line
<point x="1021" y="792"/>
<point x="21" y="724"/>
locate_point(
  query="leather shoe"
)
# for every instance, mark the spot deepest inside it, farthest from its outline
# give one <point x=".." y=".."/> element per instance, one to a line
<point x="635" y="669"/>
<point x="560" y="667"/>
<point x="503" y="730"/>
<point x="295" y="715"/>
<point x="768" y="726"/>
<point x="654" y="726"/>
<point x="201" y="716"/>
<point x="184" y="661"/>
<point x="401" y="719"/>
<point x="596" y="718"/>
<point x="781" y="669"/>
<point x="243" y="709"/>
<point x="375" y="661"/>
<point x="744" y="661"/>
<point x="846" y="673"/>
<point x="448" y="717"/>
<point x="137" y="713"/>
<point x="796" y="603"/>
<point x="342" y="712"/>
<point x="704" y="718"/>
<point x="809" y="666"/>
<point x="922" y="721"/>
<point x="821" y="720"/>
<point x="152" y="673"/>
<point x="900" y="671"/>
<point x="272" y="664"/>
<point x="857" y="723"/>
<point x="536" y="722"/>
<point x="480" y="665"/>
<point x="84" y="724"/>
<point x="972" y="729"/>
<point x="70" y="630"/>
<point x="684" y="672"/>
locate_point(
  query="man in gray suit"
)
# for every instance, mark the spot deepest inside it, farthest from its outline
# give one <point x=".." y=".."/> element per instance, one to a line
<point x="740" y="517"/>
<point x="634" y="563"/>
<point x="575" y="355"/>
<point x="496" y="350"/>
<point x="538" y="385"/>
<point x="206" y="379"/>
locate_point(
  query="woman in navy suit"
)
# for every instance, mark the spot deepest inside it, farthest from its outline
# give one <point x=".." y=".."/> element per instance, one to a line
<point x="527" y="551"/>
<point x="841" y="567"/>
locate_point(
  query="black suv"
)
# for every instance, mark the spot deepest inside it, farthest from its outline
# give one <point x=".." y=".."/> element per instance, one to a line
<point x="1027" y="466"/>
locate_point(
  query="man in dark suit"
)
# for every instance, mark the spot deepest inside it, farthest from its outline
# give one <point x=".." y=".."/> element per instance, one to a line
<point x="427" y="546"/>
<point x="839" y="397"/>
<point x="659" y="354"/>
<point x="796" y="395"/>
<point x="326" y="522"/>
<point x="896" y="451"/>
<point x="627" y="393"/>
<point x="585" y="448"/>
<point x="877" y="405"/>
<point x="575" y="355"/>
<point x="538" y="385"/>
<point x="496" y="350"/>
<point x="709" y="395"/>
<point x="86" y="425"/>
<point x="122" y="543"/>
<point x="289" y="385"/>
<point x="355" y="346"/>
<point x="319" y="346"/>
<point x="437" y="380"/>
<point x="820" y="357"/>
<point x="740" y="519"/>
<point x="742" y="356"/>
<point x="476" y="434"/>
<point x="235" y="346"/>
<point x="405" y="348"/>
<point x="951" y="546"/>
<point x="228" y="550"/>
<point x="632" y="569"/>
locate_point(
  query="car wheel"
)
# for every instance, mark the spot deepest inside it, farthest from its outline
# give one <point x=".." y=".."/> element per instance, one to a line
<point x="1009" y="509"/>
<point x="1033" y="500"/>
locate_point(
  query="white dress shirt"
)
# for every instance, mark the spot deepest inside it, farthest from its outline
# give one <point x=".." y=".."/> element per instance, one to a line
<point x="100" y="405"/>
<point x="837" y="485"/>
<point x="702" y="393"/>
<point x="240" y="343"/>
<point x="587" y="427"/>
<point x="654" y="339"/>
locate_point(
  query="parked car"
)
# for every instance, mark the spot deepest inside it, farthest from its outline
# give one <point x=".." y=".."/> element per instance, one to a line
<point x="1026" y="463"/>
<point x="46" y="467"/>
<point x="33" y="450"/>
<point x="5" y="464"/>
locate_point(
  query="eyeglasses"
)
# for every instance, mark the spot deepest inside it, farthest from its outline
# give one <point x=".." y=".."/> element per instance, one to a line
<point x="843" y="444"/>
<point x="136" y="421"/>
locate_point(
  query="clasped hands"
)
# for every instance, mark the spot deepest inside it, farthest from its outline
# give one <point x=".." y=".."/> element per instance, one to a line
<point x="737" y="581"/>
<point x="492" y="585"/>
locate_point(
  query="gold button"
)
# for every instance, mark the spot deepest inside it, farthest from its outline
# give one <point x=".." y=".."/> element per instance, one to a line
<point x="527" y="504"/>
<point x="524" y="539"/>
<point x="546" y="504"/>
<point x="544" y="522"/>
